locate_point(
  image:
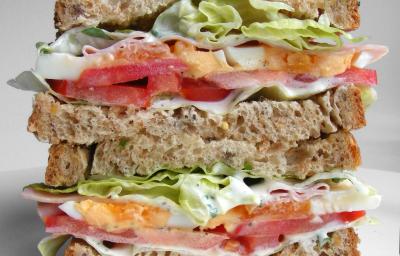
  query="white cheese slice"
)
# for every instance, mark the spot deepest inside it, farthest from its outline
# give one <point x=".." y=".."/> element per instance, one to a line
<point x="63" y="66"/>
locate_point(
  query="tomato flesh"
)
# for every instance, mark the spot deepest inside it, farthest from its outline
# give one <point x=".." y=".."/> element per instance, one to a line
<point x="351" y="216"/>
<point x="164" y="84"/>
<point x="106" y="76"/>
<point x="121" y="95"/>
<point x="139" y="96"/>
<point x="116" y="85"/>
<point x="122" y="85"/>
<point x="199" y="90"/>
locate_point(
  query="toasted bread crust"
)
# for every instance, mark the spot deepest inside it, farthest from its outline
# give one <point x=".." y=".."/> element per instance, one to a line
<point x="255" y="122"/>
<point x="119" y="14"/>
<point x="67" y="164"/>
<point x="143" y="155"/>
<point x="343" y="243"/>
<point x="343" y="14"/>
<point x="108" y="14"/>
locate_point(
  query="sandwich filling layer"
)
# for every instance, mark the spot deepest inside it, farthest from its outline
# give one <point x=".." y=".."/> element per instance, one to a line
<point x="212" y="212"/>
<point x="212" y="55"/>
<point x="212" y="66"/>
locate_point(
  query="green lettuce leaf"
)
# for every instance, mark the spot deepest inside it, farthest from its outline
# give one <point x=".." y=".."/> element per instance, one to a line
<point x="296" y="34"/>
<point x="50" y="245"/>
<point x="202" y="193"/>
<point x="220" y="23"/>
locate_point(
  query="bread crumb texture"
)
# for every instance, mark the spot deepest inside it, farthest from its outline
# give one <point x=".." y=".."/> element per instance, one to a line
<point x="256" y="122"/>
<point x="119" y="14"/>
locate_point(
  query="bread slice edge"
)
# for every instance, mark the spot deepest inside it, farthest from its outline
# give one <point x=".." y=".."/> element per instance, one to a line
<point x="256" y="121"/>
<point x="69" y="164"/>
<point x="123" y="14"/>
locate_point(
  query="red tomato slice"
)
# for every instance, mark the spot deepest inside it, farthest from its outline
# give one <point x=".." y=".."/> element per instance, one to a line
<point x="351" y="216"/>
<point x="119" y="95"/>
<point x="127" y="73"/>
<point x="161" y="84"/>
<point x="140" y="96"/>
<point x="114" y="95"/>
<point x="59" y="86"/>
<point x="199" y="90"/>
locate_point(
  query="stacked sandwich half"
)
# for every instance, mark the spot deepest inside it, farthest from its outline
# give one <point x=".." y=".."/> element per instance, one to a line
<point x="213" y="127"/>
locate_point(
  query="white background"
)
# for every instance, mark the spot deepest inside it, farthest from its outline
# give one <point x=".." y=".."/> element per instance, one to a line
<point x="25" y="22"/>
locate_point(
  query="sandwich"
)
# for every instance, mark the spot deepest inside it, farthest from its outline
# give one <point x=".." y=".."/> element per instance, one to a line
<point x="211" y="127"/>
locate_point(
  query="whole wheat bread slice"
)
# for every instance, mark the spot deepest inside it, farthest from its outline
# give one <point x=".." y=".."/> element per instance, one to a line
<point x="111" y="14"/>
<point x="119" y="14"/>
<point x="257" y="122"/>
<point x="343" y="243"/>
<point x="68" y="164"/>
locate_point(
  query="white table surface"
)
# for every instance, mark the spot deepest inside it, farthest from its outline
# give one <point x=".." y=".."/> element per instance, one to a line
<point x="21" y="228"/>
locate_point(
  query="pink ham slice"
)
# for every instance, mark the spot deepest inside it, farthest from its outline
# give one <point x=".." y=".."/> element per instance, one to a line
<point x="265" y="78"/>
<point x="166" y="237"/>
<point x="283" y="227"/>
<point x="299" y="194"/>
